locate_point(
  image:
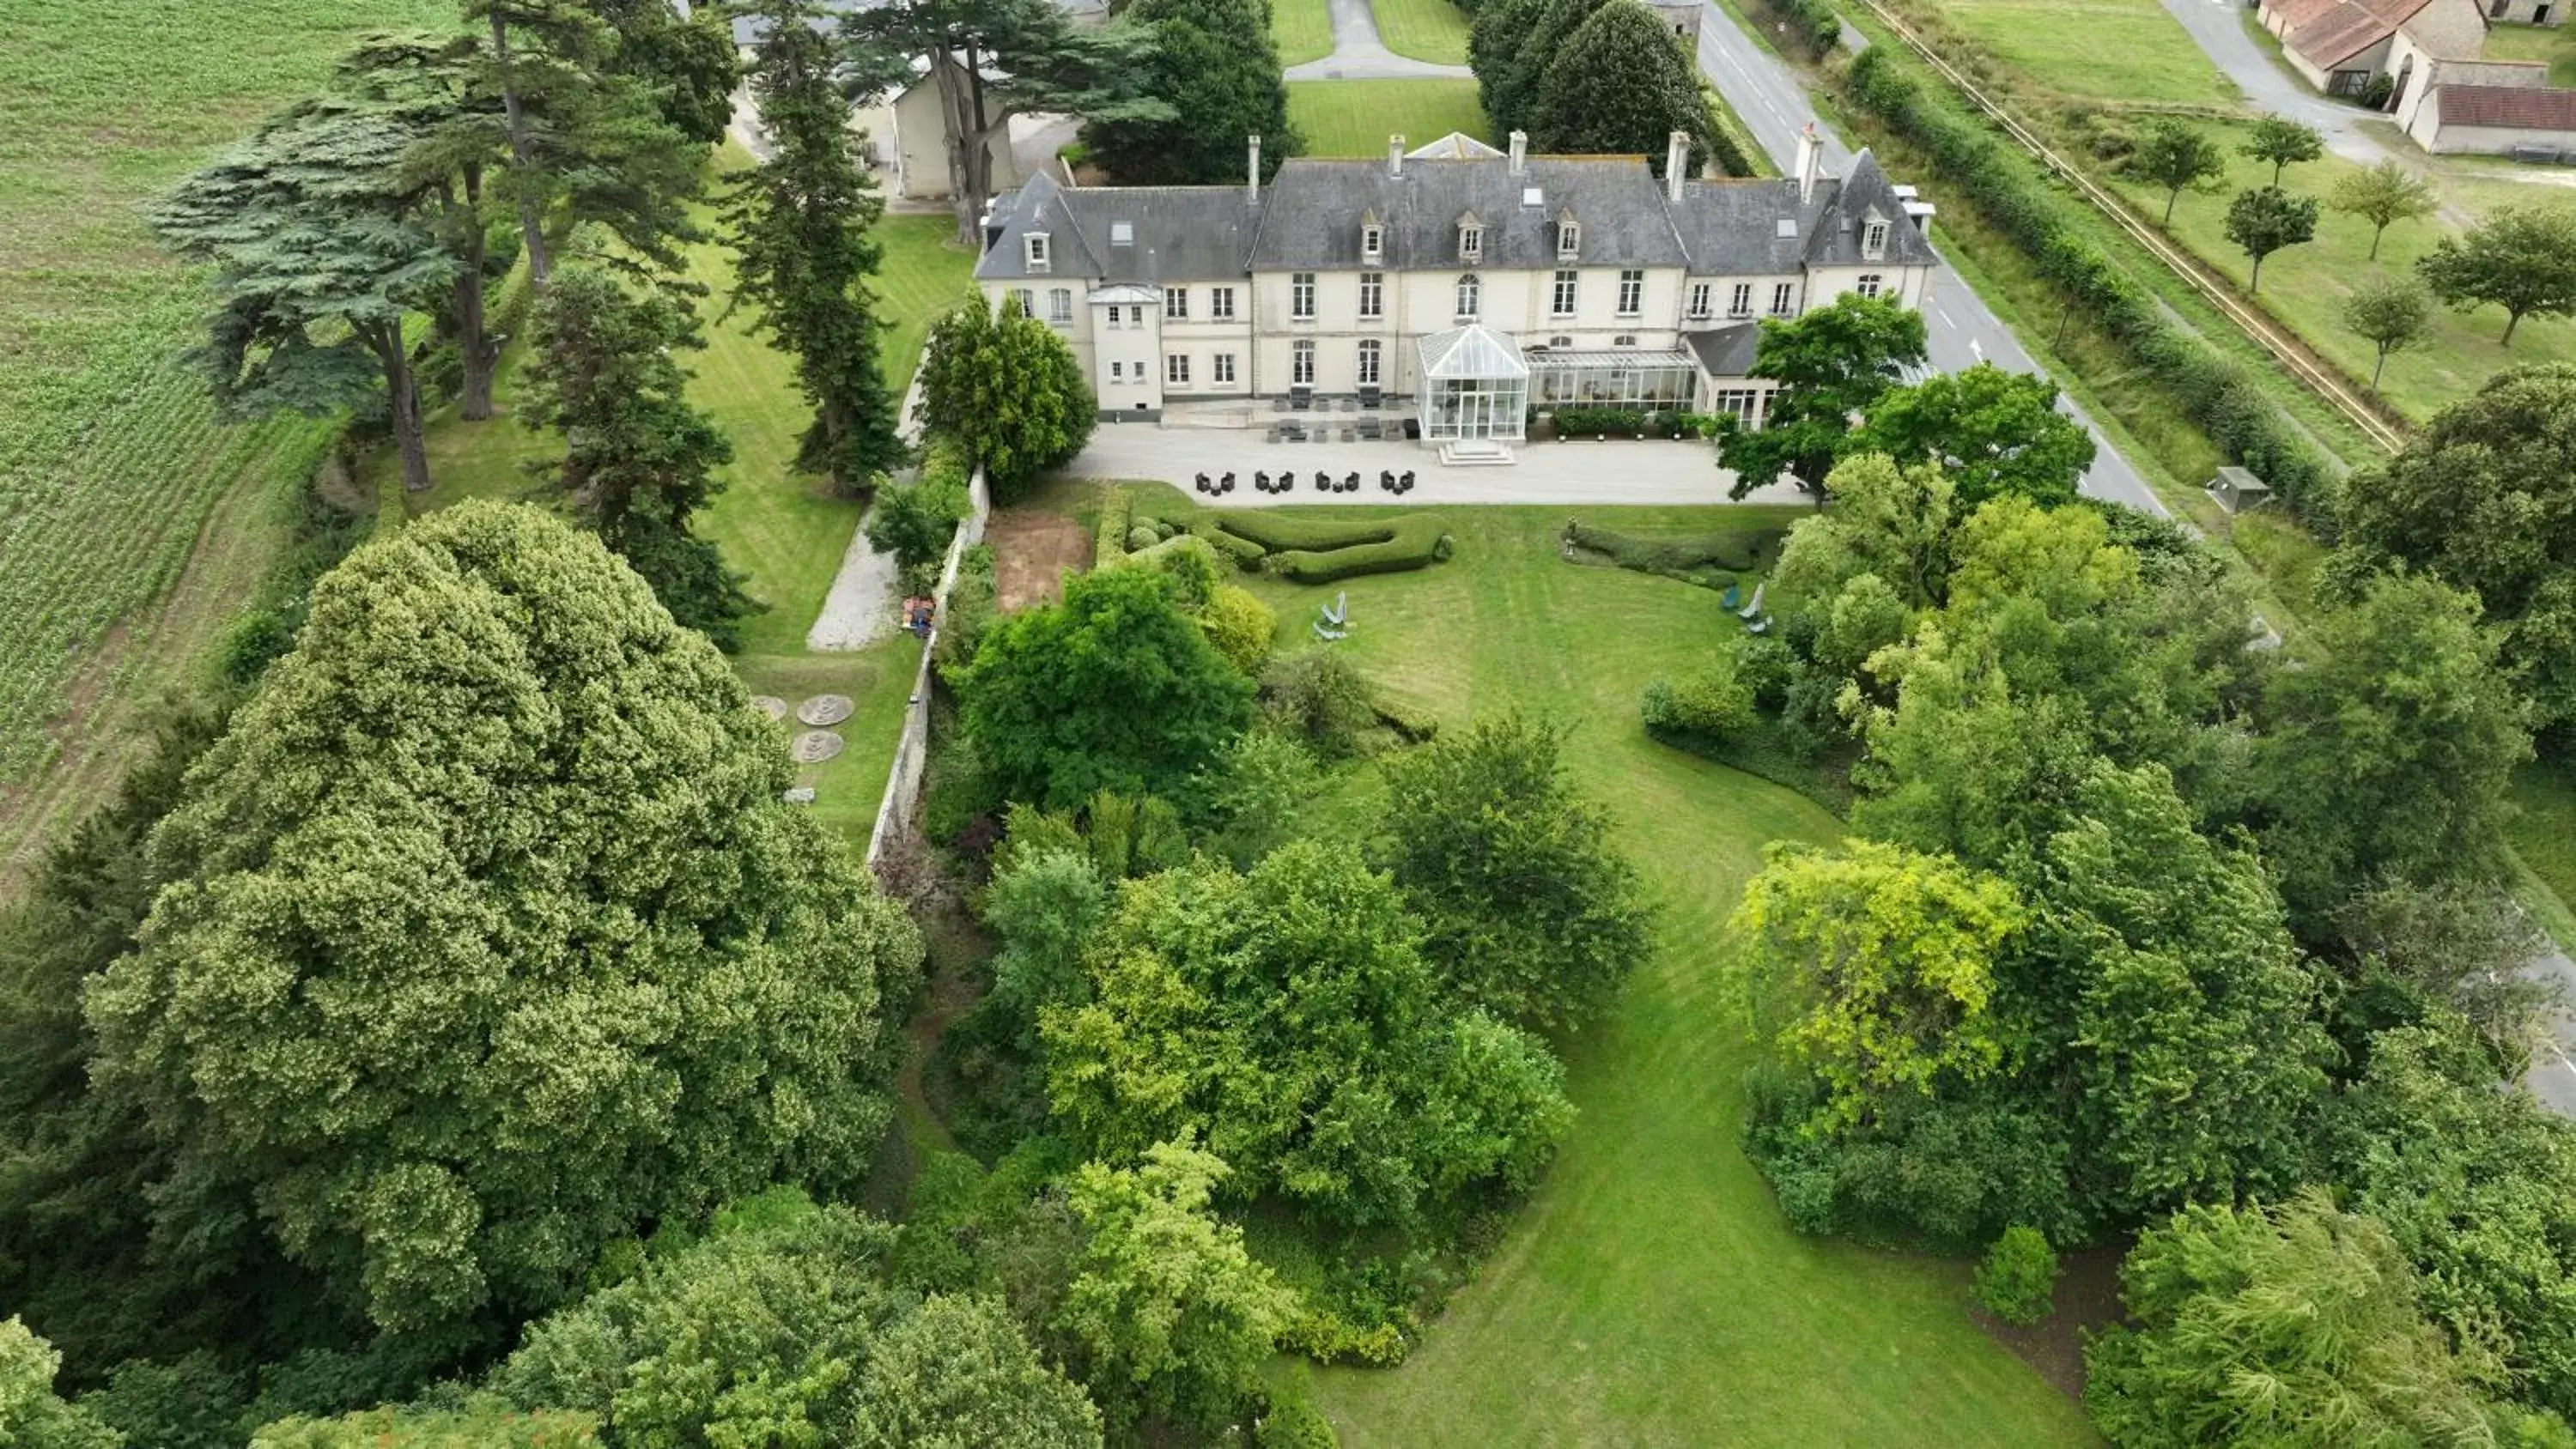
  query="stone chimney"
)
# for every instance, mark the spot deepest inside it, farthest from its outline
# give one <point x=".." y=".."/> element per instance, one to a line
<point x="1810" y="150"/>
<point x="1252" y="175"/>
<point x="1520" y="152"/>
<point x="1395" y="154"/>
<point x="1676" y="164"/>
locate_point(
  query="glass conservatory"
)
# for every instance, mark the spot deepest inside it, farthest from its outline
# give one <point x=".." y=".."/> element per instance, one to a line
<point x="1474" y="386"/>
<point x="1623" y="379"/>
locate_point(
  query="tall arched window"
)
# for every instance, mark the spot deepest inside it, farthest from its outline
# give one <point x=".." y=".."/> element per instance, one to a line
<point x="1470" y="295"/>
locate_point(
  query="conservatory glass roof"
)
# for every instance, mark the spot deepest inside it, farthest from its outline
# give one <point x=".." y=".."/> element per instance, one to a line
<point x="1470" y="351"/>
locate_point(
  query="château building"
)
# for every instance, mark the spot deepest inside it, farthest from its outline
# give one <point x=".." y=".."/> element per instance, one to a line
<point x="1456" y="282"/>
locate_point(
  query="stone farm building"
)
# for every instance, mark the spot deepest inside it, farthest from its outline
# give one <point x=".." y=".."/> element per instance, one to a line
<point x="1455" y="283"/>
<point x="2441" y="89"/>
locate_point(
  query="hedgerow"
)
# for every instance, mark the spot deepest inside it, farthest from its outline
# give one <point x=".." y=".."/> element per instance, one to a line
<point x="2218" y="393"/>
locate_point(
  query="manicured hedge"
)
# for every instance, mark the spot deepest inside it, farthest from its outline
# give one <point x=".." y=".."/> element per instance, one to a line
<point x="1417" y="543"/>
<point x="1277" y="531"/>
<point x="1109" y="536"/>
<point x="1246" y="554"/>
<point x="1708" y="559"/>
<point x="2218" y="393"/>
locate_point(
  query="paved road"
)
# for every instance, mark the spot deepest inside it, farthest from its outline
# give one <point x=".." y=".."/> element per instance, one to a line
<point x="2552" y="1077"/>
<point x="1358" y="54"/>
<point x="1963" y="331"/>
<point x="2215" y="26"/>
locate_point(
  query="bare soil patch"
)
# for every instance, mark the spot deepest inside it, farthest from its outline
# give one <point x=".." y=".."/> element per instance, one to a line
<point x="1032" y="552"/>
<point x="2088" y="1299"/>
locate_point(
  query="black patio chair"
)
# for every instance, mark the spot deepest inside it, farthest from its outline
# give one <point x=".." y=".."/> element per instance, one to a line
<point x="1260" y="482"/>
<point x="1352" y="483"/>
<point x="1201" y="483"/>
<point x="1386" y="480"/>
<point x="1405" y="484"/>
<point x="1226" y="483"/>
<point x="1323" y="481"/>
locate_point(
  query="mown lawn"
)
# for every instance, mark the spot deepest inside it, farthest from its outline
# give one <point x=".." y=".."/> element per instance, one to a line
<point x="785" y="531"/>
<point x="2555" y="44"/>
<point x="2306" y="286"/>
<point x="1649" y="1293"/>
<point x="1354" y="117"/>
<point x="1302" y="29"/>
<point x="1432" y="30"/>
<point x="2110" y="50"/>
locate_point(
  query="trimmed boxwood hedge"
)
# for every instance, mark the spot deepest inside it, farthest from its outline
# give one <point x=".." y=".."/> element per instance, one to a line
<point x="1109" y="536"/>
<point x="1276" y="531"/>
<point x="2217" y="392"/>
<point x="1246" y="554"/>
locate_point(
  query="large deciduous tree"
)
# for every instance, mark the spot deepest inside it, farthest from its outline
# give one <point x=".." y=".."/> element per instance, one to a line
<point x="2389" y="313"/>
<point x="1830" y="364"/>
<point x="1112" y="689"/>
<point x="321" y="243"/>
<point x="687" y="63"/>
<point x="799" y="225"/>
<point x="1993" y="432"/>
<point x="639" y="460"/>
<point x="1530" y="911"/>
<point x="1008" y="388"/>
<point x="31" y="1413"/>
<point x="1287" y="1019"/>
<point x="2521" y="258"/>
<point x="2388" y="752"/>
<point x="1214" y="64"/>
<point x="993" y="60"/>
<point x="2485" y="497"/>
<point x="1520" y="58"/>
<point x="1620" y="85"/>
<point x="487" y="941"/>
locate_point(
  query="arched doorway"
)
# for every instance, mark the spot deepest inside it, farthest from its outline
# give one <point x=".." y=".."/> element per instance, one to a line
<point x="2397" y="92"/>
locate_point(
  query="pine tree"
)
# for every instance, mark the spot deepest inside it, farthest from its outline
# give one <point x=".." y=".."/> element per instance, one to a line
<point x="318" y="233"/>
<point x="799" y="225"/>
<point x="639" y="460"/>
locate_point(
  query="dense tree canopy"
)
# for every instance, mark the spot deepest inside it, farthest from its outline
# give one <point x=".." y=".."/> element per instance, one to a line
<point x="1114" y="688"/>
<point x="1288" y="1020"/>
<point x="2485" y="497"/>
<point x="487" y="939"/>
<point x="2388" y="753"/>
<point x="2266" y="219"/>
<point x="1531" y="913"/>
<point x="2174" y="156"/>
<point x="31" y="1413"/>
<point x="1992" y="432"/>
<point x="788" y="1329"/>
<point x="639" y="460"/>
<point x="1215" y="66"/>
<point x="1830" y="364"/>
<point x="1006" y="387"/>
<point x="2296" y="1326"/>
<point x="1619" y="85"/>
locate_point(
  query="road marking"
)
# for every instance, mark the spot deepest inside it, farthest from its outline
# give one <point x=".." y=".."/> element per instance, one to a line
<point x="1977" y="349"/>
<point x="1944" y="316"/>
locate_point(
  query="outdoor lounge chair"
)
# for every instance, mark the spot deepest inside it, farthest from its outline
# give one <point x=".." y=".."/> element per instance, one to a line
<point x="1340" y="613"/>
<point x="1729" y="598"/>
<point x="1330" y="635"/>
<point x="1754" y="609"/>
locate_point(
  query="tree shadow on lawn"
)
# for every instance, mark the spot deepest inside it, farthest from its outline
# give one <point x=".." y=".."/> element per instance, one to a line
<point x="2088" y="1300"/>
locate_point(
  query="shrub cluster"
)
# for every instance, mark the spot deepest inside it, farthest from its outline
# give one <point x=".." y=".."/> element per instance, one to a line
<point x="1322" y="550"/>
<point x="1615" y="423"/>
<point x="2218" y="393"/>
<point x="1711" y="560"/>
<point x="1109" y="535"/>
<point x="1814" y="23"/>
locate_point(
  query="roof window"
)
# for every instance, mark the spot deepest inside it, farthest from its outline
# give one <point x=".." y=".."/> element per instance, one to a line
<point x="1122" y="233"/>
<point x="1788" y="226"/>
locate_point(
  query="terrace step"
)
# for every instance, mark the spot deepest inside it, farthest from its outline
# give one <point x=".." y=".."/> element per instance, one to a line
<point x="1476" y="453"/>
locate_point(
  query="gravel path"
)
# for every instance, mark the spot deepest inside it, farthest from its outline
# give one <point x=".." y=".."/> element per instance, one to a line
<point x="860" y="609"/>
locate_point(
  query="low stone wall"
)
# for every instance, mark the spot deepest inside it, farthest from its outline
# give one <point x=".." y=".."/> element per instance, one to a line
<point x="912" y="752"/>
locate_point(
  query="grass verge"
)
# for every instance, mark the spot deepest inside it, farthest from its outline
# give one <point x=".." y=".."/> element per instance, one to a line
<point x="2128" y="51"/>
<point x="1302" y="29"/>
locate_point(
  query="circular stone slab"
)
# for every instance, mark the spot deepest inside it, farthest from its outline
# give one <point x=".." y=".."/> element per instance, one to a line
<point x="814" y="747"/>
<point x="770" y="705"/>
<point x="824" y="709"/>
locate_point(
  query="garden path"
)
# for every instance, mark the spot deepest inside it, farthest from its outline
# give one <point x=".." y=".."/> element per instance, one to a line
<point x="1358" y="53"/>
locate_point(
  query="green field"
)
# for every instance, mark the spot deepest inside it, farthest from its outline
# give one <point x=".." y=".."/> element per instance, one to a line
<point x="2305" y="286"/>
<point x="1649" y="1294"/>
<point x="1302" y="29"/>
<point x="113" y="464"/>
<point x="2554" y="44"/>
<point x="1354" y="117"/>
<point x="1432" y="30"/>
<point x="2105" y="50"/>
<point x="784" y="530"/>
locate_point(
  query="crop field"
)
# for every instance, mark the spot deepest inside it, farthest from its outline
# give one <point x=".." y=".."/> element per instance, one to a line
<point x="113" y="463"/>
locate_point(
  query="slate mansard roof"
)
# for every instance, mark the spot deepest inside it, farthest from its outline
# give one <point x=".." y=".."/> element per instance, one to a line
<point x="1309" y="219"/>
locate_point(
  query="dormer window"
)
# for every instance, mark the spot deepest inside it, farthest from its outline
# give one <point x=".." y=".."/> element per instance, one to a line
<point x="1372" y="238"/>
<point x="1569" y="237"/>
<point x="1036" y="251"/>
<point x="1873" y="239"/>
<point x="1471" y="239"/>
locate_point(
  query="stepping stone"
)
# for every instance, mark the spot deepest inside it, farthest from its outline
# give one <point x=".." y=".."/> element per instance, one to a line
<point x="824" y="709"/>
<point x="770" y="705"/>
<point x="801" y="795"/>
<point x="815" y="746"/>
